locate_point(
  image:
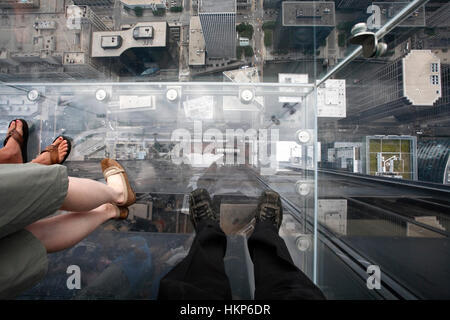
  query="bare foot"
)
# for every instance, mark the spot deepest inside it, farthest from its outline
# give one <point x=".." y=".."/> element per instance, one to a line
<point x="44" y="158"/>
<point x="12" y="146"/>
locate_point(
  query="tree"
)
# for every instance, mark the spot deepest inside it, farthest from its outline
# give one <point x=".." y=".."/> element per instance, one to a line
<point x="239" y="51"/>
<point x="248" y="51"/>
<point x="138" y="11"/>
<point x="267" y="38"/>
<point x="245" y="30"/>
<point x="341" y="39"/>
<point x="176" y="9"/>
<point x="269" y="25"/>
<point x="159" y="12"/>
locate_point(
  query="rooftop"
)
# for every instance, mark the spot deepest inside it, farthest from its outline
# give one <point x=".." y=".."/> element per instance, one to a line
<point x="214" y="6"/>
<point x="390" y="9"/>
<point x="142" y="3"/>
<point x="308" y="13"/>
<point x="42" y="36"/>
<point x="158" y="39"/>
<point x="247" y="75"/>
<point x="19" y="4"/>
<point x="197" y="46"/>
<point x="418" y="75"/>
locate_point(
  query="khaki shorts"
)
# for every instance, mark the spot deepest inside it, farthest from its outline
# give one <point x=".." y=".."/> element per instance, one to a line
<point x="23" y="263"/>
<point x="28" y="192"/>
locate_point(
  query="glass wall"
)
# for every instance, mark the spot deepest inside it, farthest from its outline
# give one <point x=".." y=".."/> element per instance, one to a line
<point x="342" y="107"/>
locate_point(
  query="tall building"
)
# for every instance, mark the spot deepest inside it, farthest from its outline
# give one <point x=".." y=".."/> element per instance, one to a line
<point x="391" y="156"/>
<point x="304" y="25"/>
<point x="142" y="35"/>
<point x="440" y="18"/>
<point x="50" y="45"/>
<point x="218" y="19"/>
<point x="145" y="4"/>
<point x="358" y="4"/>
<point x="433" y="158"/>
<point x="19" y="3"/>
<point x="406" y="85"/>
<point x="342" y="156"/>
<point x="352" y="4"/>
<point x="440" y="110"/>
<point x="197" y="49"/>
<point x="94" y="2"/>
<point x="243" y="4"/>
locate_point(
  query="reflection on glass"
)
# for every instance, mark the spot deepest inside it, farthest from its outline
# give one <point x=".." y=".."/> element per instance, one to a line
<point x="340" y="106"/>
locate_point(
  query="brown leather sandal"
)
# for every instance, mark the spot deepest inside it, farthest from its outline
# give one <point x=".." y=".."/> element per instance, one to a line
<point x="22" y="139"/>
<point x="54" y="154"/>
<point x="121" y="213"/>
<point x="111" y="167"/>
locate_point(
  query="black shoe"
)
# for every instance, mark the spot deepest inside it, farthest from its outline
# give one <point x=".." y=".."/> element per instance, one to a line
<point x="200" y="208"/>
<point x="270" y="208"/>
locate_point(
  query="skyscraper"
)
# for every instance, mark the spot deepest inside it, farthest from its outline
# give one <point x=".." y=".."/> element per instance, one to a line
<point x="55" y="45"/>
<point x="94" y="2"/>
<point x="397" y="89"/>
<point x="19" y="4"/>
<point x="218" y="19"/>
<point x="434" y="160"/>
<point x="304" y="25"/>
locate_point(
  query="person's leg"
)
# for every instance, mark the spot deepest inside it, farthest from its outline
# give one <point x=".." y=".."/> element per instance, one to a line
<point x="201" y="275"/>
<point x="11" y="152"/>
<point x="65" y="230"/>
<point x="276" y="276"/>
<point x="86" y="194"/>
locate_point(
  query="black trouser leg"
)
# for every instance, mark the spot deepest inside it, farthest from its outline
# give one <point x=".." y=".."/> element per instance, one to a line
<point x="276" y="276"/>
<point x="201" y="275"/>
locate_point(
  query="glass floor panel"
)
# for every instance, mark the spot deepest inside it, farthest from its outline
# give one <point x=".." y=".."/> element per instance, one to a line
<point x="342" y="107"/>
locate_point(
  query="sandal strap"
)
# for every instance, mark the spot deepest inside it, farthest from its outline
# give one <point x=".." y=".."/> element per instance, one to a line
<point x="16" y="136"/>
<point x="121" y="212"/>
<point x="53" y="150"/>
<point x="112" y="171"/>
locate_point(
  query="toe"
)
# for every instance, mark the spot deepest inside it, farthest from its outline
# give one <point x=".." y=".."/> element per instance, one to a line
<point x="58" y="141"/>
<point x="19" y="127"/>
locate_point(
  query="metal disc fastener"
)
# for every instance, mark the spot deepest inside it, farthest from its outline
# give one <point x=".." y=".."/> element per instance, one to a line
<point x="33" y="95"/>
<point x="247" y="96"/>
<point x="101" y="95"/>
<point x="303" y="188"/>
<point x="172" y="95"/>
<point x="303" y="242"/>
<point x="303" y="136"/>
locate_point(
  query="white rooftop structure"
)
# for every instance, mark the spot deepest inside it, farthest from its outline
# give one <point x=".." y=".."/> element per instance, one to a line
<point x="142" y="35"/>
<point x="197" y="45"/>
<point x="145" y="4"/>
<point x="244" y="75"/>
<point x="422" y="77"/>
<point x="331" y="99"/>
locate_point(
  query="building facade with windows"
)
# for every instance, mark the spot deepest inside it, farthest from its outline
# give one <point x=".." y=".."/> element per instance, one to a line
<point x="304" y="25"/>
<point x="407" y="85"/>
<point x="218" y="20"/>
<point x="433" y="159"/>
<point x="50" y="46"/>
